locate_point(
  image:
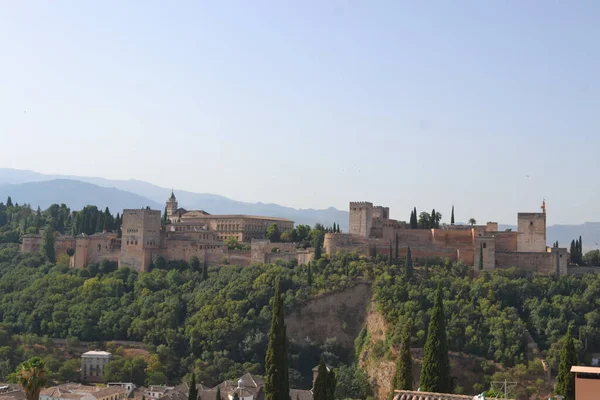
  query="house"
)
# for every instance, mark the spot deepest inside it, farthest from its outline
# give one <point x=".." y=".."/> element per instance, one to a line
<point x="587" y="382"/>
<point x="71" y="391"/>
<point x="92" y="365"/>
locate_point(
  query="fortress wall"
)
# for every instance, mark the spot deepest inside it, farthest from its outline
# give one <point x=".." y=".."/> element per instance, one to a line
<point x="506" y="241"/>
<point x="102" y="248"/>
<point x="450" y="237"/>
<point x="414" y="236"/>
<point x="466" y="255"/>
<point x="528" y="261"/>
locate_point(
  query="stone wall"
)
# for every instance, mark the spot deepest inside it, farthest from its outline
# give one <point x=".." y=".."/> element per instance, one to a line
<point x="506" y="241"/>
<point x="551" y="262"/>
<point x="532" y="232"/>
<point x="487" y="246"/>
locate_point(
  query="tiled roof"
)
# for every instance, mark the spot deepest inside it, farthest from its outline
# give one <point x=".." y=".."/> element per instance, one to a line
<point x="109" y="392"/>
<point x="416" y="395"/>
<point x="297" y="394"/>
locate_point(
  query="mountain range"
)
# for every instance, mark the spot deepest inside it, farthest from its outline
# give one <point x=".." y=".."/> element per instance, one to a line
<point x="77" y="191"/>
<point x="38" y="189"/>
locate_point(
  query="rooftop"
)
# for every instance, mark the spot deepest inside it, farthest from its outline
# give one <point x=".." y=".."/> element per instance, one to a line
<point x="231" y="216"/>
<point x="416" y="395"/>
<point x="96" y="353"/>
<point x="585" y="370"/>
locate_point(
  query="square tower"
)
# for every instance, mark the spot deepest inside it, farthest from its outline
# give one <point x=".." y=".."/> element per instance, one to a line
<point x="140" y="238"/>
<point x="532" y="232"/>
<point x="361" y="218"/>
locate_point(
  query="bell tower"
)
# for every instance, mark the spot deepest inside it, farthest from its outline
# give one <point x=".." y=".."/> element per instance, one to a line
<point x="171" y="205"/>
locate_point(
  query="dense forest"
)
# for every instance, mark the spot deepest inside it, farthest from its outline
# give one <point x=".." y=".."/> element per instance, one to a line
<point x="215" y="322"/>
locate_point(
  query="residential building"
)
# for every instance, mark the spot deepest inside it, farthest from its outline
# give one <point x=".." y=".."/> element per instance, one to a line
<point x="92" y="365"/>
<point x="587" y="382"/>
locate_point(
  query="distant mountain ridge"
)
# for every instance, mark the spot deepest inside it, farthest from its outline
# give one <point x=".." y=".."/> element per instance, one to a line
<point x="39" y="189"/>
<point x="155" y="197"/>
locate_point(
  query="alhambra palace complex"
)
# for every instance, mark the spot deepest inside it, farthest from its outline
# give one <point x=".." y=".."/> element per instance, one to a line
<point x="198" y="233"/>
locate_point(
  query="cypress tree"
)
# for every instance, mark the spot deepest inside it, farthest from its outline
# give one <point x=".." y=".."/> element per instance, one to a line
<point x="309" y="278"/>
<point x="452" y="216"/>
<point x="277" y="385"/>
<point x="48" y="250"/>
<point x="435" y="375"/>
<point x="565" y="380"/>
<point x="432" y="221"/>
<point x="205" y="270"/>
<point x="390" y="261"/>
<point x="409" y="264"/>
<point x="318" y="250"/>
<point x="396" y="249"/>
<point x="9" y="202"/>
<point x="403" y="378"/>
<point x="572" y="251"/>
<point x="481" y="256"/>
<point x="331" y="383"/>
<point x="193" y="392"/>
<point x="218" y="395"/>
<point x="164" y="221"/>
<point x="321" y="389"/>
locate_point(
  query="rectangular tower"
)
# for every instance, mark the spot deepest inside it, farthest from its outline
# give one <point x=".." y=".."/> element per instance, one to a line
<point x="532" y="232"/>
<point x="140" y="238"/>
<point x="361" y="218"/>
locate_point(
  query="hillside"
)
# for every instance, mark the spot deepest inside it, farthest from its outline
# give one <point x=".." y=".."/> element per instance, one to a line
<point x="211" y="203"/>
<point x="75" y="194"/>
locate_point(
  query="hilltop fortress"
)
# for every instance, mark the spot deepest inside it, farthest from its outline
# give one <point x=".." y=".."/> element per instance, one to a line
<point x="199" y="234"/>
<point x="372" y="232"/>
<point x="190" y="233"/>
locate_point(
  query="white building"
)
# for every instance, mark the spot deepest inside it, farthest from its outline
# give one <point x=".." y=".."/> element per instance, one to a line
<point x="92" y="365"/>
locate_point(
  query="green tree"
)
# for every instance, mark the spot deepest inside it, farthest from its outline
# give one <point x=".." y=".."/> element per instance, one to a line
<point x="193" y="392"/>
<point x="68" y="371"/>
<point x="309" y="278"/>
<point x="318" y="250"/>
<point x="396" y="253"/>
<point x="424" y="220"/>
<point x="218" y="394"/>
<point x="435" y="374"/>
<point x="32" y="376"/>
<point x="9" y="202"/>
<point x="452" y="216"/>
<point x="321" y="388"/>
<point x="273" y="233"/>
<point x="432" y="222"/>
<point x="289" y="236"/>
<point x="236" y="396"/>
<point x="390" y="259"/>
<point x="409" y="264"/>
<point x="195" y="264"/>
<point x="48" y="240"/>
<point x="205" y="270"/>
<point x="565" y="380"/>
<point x="164" y="219"/>
<point x="472" y="221"/>
<point x="481" y="256"/>
<point x="277" y="385"/>
<point x="403" y="378"/>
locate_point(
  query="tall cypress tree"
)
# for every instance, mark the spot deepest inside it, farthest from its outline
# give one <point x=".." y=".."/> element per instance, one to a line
<point x="403" y="378"/>
<point x="320" y="386"/>
<point x="435" y="375"/>
<point x="432" y="223"/>
<point x="309" y="278"/>
<point x="205" y="270"/>
<point x="452" y="216"/>
<point x="218" y="395"/>
<point x="277" y="386"/>
<point x="396" y="249"/>
<point x="193" y="392"/>
<point x="481" y="256"/>
<point x="409" y="264"/>
<point x="565" y="380"/>
<point x="390" y="261"/>
<point x="48" y="241"/>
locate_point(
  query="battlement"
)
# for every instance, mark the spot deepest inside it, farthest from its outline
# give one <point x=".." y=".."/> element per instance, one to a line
<point x="360" y="204"/>
<point x="145" y="210"/>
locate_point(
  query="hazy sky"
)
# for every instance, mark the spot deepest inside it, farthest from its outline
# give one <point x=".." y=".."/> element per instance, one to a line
<point x="314" y="103"/>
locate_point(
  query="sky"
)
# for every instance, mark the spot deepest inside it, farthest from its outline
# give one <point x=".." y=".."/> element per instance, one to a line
<point x="488" y="105"/>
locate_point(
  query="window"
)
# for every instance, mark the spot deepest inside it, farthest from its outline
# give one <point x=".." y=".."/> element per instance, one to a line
<point x="484" y="245"/>
<point x="531" y="223"/>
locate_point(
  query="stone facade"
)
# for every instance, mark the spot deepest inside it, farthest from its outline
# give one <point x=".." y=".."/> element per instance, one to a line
<point x="193" y="234"/>
<point x="371" y="230"/>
